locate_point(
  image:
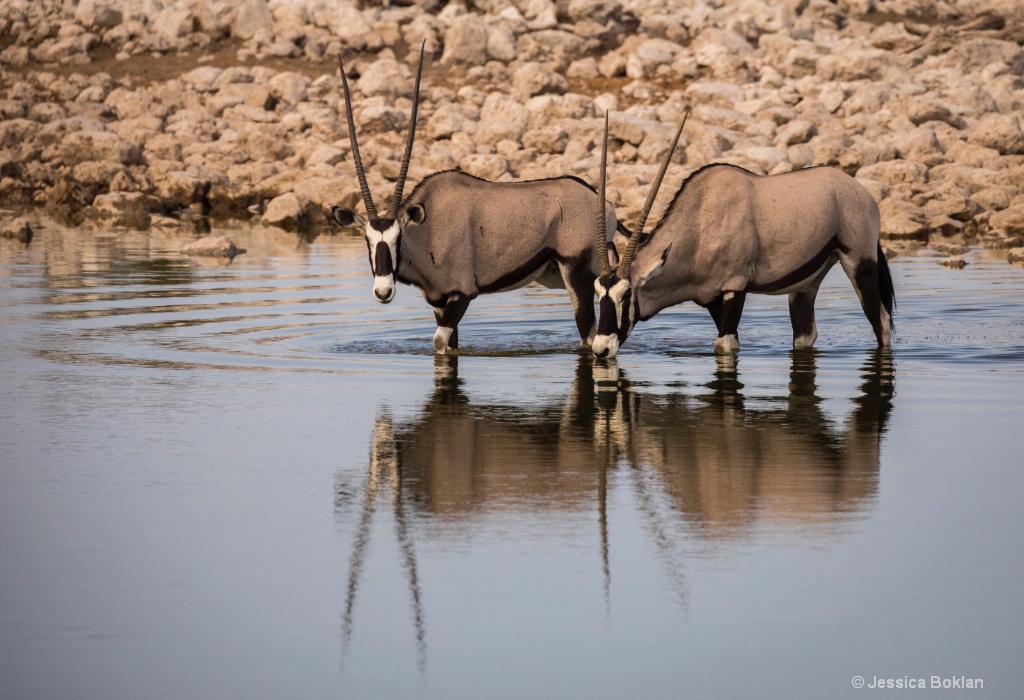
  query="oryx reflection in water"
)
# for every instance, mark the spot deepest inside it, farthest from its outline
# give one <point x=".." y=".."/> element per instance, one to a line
<point x="706" y="463"/>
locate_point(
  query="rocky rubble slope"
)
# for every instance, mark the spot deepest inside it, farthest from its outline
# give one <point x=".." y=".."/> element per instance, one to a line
<point x="162" y="112"/>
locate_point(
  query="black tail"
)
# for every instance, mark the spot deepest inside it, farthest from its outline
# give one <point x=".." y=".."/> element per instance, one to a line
<point x="885" y="288"/>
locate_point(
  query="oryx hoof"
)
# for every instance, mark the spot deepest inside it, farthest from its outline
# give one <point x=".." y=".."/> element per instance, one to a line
<point x="804" y="341"/>
<point x="441" y="337"/>
<point x="727" y="345"/>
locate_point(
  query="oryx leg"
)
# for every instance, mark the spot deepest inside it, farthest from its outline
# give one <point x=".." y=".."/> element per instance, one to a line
<point x="863" y="273"/>
<point x="801" y="312"/>
<point x="579" y="282"/>
<point x="716" y="315"/>
<point x="728" y="340"/>
<point x="447" y="334"/>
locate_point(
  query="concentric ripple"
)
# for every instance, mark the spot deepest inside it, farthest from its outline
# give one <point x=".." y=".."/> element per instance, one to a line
<point x="133" y="300"/>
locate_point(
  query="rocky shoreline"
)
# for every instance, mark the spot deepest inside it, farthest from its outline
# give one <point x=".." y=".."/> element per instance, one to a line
<point x="162" y="113"/>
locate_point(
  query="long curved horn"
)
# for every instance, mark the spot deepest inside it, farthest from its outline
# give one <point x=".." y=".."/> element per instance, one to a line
<point x="602" y="240"/>
<point x="360" y="173"/>
<point x="396" y="200"/>
<point x="634" y="240"/>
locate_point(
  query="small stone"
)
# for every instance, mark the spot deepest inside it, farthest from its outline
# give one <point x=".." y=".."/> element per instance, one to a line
<point x="954" y="262"/>
<point x="17" y="230"/>
<point x="1015" y="256"/>
<point x="288" y="211"/>
<point x="213" y="247"/>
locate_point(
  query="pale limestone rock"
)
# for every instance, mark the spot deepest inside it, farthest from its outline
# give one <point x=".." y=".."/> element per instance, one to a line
<point x="501" y="118"/>
<point x="82" y="146"/>
<point x="954" y="262"/>
<point x="532" y="78"/>
<point x="465" y="42"/>
<point x="18" y="230"/>
<point x="251" y="18"/>
<point x="289" y="211"/>
<point x="796" y="132"/>
<point x="288" y="87"/>
<point x="178" y="189"/>
<point x="386" y="77"/>
<point x="501" y="44"/>
<point x="903" y="220"/>
<point x="1010" y="220"/>
<point x="98" y="14"/>
<point x="212" y="247"/>
<point x="894" y="172"/>
<point x="325" y="154"/>
<point x="122" y="210"/>
<point x="1001" y="132"/>
<point x="97" y="172"/>
<point x="489" y="167"/>
<point x="549" y="139"/>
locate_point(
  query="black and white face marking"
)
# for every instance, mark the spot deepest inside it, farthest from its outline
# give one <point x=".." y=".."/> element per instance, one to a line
<point x="383" y="242"/>
<point x="618" y="316"/>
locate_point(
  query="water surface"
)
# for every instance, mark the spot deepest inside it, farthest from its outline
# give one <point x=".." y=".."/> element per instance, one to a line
<point x="252" y="480"/>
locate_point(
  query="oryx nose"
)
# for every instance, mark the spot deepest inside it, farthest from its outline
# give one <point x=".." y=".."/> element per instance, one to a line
<point x="384" y="295"/>
<point x="602" y="353"/>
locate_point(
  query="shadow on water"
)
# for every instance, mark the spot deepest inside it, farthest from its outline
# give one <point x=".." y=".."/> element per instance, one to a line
<point x="703" y="468"/>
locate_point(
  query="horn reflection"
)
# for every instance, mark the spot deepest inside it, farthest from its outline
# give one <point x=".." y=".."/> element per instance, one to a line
<point x="710" y="464"/>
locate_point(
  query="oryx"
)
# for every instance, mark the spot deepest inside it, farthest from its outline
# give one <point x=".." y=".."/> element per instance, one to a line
<point x="729" y="232"/>
<point x="458" y="236"/>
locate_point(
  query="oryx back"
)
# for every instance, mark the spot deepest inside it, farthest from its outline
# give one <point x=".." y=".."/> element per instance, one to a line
<point x="733" y="230"/>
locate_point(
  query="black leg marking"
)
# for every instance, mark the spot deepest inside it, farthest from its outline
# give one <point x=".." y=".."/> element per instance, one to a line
<point x="732" y="310"/>
<point x="581" y="283"/>
<point x="728" y="332"/>
<point x="447" y="334"/>
<point x="716" y="316"/>
<point x="801" y="312"/>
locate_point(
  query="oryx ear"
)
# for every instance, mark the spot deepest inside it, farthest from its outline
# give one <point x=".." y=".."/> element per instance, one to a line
<point x="415" y="214"/>
<point x="613" y="252"/>
<point x="654" y="269"/>
<point x="347" y="217"/>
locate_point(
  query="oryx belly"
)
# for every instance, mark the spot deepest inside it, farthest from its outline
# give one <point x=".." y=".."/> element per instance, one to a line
<point x="542" y="275"/>
<point x="798" y="277"/>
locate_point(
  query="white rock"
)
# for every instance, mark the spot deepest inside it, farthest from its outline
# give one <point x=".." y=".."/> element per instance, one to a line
<point x="288" y="87"/>
<point x="212" y="247"/>
<point x="288" y="211"/>
<point x="501" y="118"/>
<point x="82" y="146"/>
<point x="465" y="42"/>
<point x="533" y="78"/>
<point x="488" y="167"/>
<point x="386" y="77"/>
<point x="251" y="18"/>
<point x="122" y="210"/>
<point x="1001" y="132"/>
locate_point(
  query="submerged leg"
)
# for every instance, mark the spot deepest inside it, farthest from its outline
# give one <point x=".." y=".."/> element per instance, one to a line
<point x="728" y="340"/>
<point x="801" y="313"/>
<point x="579" y="282"/>
<point x="447" y="334"/>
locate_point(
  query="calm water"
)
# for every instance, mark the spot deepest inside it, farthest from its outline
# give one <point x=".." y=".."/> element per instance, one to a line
<point x="253" y="481"/>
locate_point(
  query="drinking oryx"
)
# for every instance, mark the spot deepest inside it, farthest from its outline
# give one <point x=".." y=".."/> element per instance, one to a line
<point x="458" y="236"/>
<point x="729" y="232"/>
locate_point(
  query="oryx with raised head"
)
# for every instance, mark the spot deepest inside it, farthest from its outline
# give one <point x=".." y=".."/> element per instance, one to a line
<point x="729" y="232"/>
<point x="458" y="236"/>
